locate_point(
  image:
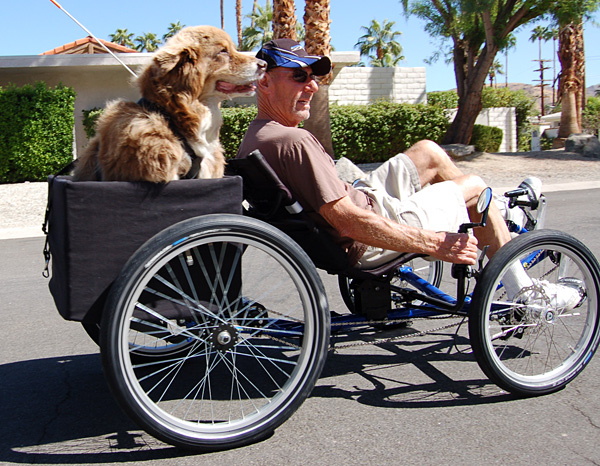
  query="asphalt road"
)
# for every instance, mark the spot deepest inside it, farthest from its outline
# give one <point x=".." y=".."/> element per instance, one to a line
<point x="419" y="401"/>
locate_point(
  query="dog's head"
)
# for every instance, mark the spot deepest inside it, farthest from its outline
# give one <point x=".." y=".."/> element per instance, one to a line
<point x="199" y="63"/>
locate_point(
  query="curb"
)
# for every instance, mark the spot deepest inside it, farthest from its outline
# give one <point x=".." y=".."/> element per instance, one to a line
<point x="36" y="232"/>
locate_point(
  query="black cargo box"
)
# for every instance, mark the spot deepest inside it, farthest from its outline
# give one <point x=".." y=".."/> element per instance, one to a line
<point x="94" y="227"/>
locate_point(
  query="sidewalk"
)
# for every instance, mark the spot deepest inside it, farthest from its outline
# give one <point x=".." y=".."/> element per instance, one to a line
<point x="22" y="206"/>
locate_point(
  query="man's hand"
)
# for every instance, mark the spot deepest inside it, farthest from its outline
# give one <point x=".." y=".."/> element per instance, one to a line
<point x="369" y="228"/>
<point x="459" y="248"/>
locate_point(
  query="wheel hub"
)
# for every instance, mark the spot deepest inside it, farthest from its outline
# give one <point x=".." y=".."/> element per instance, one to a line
<point x="224" y="337"/>
<point x="549" y="316"/>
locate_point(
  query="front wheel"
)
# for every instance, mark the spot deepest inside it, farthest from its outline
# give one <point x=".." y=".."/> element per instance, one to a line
<point x="215" y="332"/>
<point x="532" y="343"/>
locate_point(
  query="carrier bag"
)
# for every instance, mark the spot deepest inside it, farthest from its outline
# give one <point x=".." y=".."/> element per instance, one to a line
<point x="94" y="227"/>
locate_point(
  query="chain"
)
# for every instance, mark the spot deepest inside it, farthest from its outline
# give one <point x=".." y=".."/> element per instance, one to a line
<point x="380" y="341"/>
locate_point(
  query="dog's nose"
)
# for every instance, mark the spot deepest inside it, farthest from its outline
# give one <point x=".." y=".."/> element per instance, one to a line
<point x="262" y="65"/>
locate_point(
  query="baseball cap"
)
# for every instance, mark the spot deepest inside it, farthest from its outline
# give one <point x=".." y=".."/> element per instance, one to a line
<point x="288" y="53"/>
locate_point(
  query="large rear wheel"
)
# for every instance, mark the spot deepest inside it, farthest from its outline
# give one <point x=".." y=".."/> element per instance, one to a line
<point x="215" y="332"/>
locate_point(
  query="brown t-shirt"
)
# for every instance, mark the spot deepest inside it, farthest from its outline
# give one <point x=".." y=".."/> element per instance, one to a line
<point x="302" y="164"/>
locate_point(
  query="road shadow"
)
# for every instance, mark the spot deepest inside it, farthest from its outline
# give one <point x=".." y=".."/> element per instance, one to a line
<point x="60" y="411"/>
<point x="387" y="372"/>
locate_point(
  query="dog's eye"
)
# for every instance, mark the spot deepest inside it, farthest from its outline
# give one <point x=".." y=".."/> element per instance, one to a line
<point x="224" y="51"/>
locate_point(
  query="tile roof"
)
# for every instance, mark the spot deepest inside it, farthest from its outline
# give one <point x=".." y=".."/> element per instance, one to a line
<point x="88" y="45"/>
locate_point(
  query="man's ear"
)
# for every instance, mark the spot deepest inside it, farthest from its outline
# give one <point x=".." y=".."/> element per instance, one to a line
<point x="264" y="83"/>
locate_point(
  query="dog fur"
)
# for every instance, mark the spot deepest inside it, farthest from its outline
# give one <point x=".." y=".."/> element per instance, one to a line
<point x="186" y="81"/>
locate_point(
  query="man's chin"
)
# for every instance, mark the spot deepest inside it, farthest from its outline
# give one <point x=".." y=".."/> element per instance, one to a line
<point x="304" y="114"/>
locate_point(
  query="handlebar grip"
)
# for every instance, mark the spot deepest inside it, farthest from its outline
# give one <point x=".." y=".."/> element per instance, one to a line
<point x="516" y="192"/>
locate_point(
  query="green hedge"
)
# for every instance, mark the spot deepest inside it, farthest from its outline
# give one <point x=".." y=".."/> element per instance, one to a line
<point x="591" y="116"/>
<point x="36" y="131"/>
<point x="376" y="132"/>
<point x="362" y="133"/>
<point x="235" y="123"/>
<point x="486" y="138"/>
<point x="90" y="117"/>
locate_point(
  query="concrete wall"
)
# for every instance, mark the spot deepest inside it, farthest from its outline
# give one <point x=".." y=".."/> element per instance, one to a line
<point x="361" y="85"/>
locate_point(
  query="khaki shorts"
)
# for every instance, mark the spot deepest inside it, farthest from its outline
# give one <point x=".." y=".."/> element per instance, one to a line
<point x="396" y="190"/>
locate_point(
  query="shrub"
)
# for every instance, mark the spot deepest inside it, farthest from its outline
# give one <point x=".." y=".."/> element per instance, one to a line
<point x="36" y="131"/>
<point x="591" y="116"/>
<point x="90" y="117"/>
<point x="444" y="99"/>
<point x="235" y="124"/>
<point x="486" y="138"/>
<point x="362" y="133"/>
<point x="376" y="132"/>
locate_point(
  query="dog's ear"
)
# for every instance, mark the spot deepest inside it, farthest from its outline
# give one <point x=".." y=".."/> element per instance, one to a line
<point x="168" y="60"/>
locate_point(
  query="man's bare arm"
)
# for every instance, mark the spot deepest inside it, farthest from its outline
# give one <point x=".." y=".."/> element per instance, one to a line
<point x="369" y="228"/>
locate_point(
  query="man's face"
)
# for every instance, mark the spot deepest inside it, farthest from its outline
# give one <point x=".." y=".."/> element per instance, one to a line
<point x="292" y="91"/>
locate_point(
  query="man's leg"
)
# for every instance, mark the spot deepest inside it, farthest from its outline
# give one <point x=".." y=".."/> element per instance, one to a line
<point x="432" y="163"/>
<point x="435" y="166"/>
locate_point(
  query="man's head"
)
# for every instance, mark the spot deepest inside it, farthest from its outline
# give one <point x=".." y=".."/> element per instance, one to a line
<point x="285" y="92"/>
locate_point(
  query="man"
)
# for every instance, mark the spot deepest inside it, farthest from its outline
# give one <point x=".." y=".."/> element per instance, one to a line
<point x="387" y="212"/>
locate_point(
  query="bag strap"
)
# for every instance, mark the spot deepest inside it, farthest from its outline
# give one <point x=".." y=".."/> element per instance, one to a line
<point x="46" y="252"/>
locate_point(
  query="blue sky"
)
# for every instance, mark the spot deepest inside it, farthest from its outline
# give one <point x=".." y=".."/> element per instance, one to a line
<point x="30" y="27"/>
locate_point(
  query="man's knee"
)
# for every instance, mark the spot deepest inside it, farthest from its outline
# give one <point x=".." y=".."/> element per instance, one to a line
<point x="431" y="151"/>
<point x="471" y="185"/>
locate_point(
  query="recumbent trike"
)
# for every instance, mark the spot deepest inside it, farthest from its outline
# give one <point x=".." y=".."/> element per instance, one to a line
<point x="215" y="330"/>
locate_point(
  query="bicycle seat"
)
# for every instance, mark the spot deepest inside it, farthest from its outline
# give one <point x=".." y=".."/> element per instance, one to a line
<point x="270" y="200"/>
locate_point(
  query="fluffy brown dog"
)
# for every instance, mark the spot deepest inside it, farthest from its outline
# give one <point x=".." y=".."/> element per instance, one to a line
<point x="175" y="127"/>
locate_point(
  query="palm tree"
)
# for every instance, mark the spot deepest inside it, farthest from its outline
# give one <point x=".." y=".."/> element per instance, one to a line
<point x="318" y="42"/>
<point x="254" y="8"/>
<point x="552" y="33"/>
<point x="238" y="21"/>
<point x="147" y="42"/>
<point x="571" y="78"/>
<point x="222" y="16"/>
<point x="284" y="19"/>
<point x="540" y="33"/>
<point x="122" y="37"/>
<point x="495" y="70"/>
<point x="511" y="42"/>
<point x="569" y="17"/>
<point x="380" y="38"/>
<point x="174" y="28"/>
<point x="261" y="30"/>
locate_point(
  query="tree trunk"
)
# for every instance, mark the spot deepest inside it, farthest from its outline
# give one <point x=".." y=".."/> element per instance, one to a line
<point x="238" y="21"/>
<point x="461" y="129"/>
<point x="470" y="79"/>
<point x="222" y="16"/>
<point x="317" y="41"/>
<point x="254" y="8"/>
<point x="284" y="19"/>
<point x="570" y="54"/>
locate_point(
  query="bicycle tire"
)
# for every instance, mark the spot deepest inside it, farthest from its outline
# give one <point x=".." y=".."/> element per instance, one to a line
<point x="258" y="325"/>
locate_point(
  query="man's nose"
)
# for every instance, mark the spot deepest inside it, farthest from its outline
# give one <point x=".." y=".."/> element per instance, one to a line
<point x="312" y="85"/>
